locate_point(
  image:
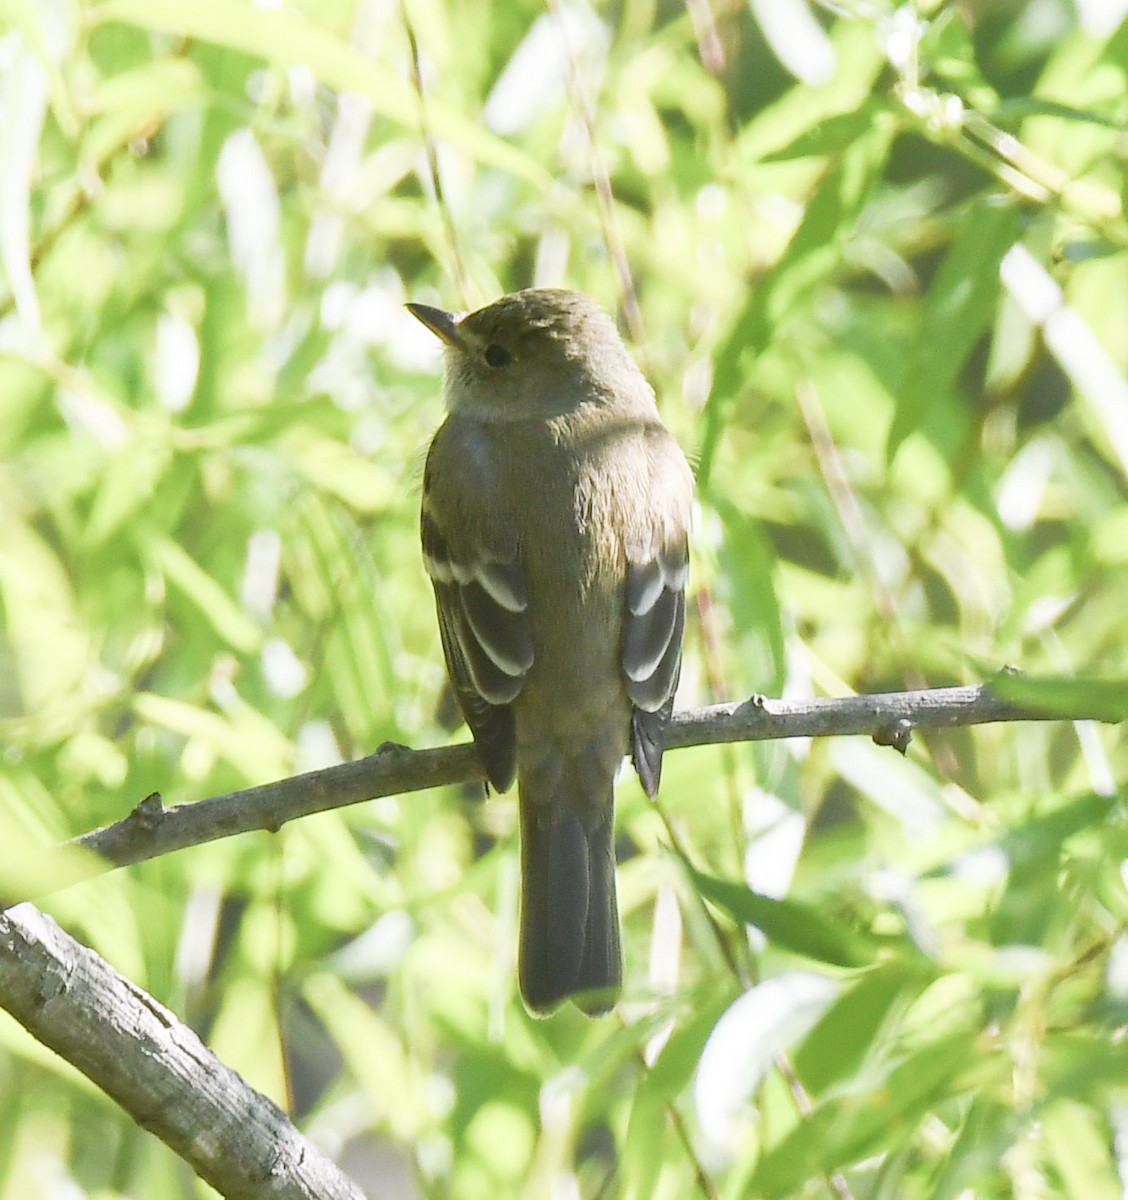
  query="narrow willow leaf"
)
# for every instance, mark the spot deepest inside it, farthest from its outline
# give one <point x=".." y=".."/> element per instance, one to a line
<point x="838" y="1044"/>
<point x="284" y="38"/>
<point x="744" y="1045"/>
<point x="813" y="256"/>
<point x="846" y="1130"/>
<point x="790" y="924"/>
<point x="957" y="313"/>
<point x="1066" y="695"/>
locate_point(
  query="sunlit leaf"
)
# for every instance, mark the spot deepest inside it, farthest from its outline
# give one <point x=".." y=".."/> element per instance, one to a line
<point x="1080" y="1148"/>
<point x="814" y="253"/>
<point x="49" y="642"/>
<point x="759" y="1026"/>
<point x="1067" y="696"/>
<point x="286" y="39"/>
<point x="211" y="600"/>
<point x="844" y="1034"/>
<point x="843" y="1131"/>
<point x="958" y="311"/>
<point x="790" y="924"/>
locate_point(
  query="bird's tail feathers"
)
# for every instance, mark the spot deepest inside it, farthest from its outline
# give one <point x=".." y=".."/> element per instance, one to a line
<point x="569" y="913"/>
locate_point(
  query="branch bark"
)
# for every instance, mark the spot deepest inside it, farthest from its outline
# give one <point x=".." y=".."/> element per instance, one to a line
<point x="151" y="829"/>
<point x="156" y="1068"/>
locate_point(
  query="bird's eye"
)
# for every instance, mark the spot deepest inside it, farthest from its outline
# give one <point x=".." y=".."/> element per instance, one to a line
<point x="497" y="356"/>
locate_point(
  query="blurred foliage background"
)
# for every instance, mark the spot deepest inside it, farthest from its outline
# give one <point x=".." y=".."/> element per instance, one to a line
<point x="875" y="262"/>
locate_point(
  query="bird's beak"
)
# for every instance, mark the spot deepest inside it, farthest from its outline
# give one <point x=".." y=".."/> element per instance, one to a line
<point x="442" y="324"/>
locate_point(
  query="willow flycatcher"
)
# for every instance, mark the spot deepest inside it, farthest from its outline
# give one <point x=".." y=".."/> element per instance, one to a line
<point x="555" y="514"/>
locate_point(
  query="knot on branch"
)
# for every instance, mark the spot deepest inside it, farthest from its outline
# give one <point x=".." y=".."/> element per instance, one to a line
<point x="897" y="734"/>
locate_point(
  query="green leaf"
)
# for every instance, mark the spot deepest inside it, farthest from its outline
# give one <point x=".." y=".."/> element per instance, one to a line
<point x="814" y="254"/>
<point x="746" y="586"/>
<point x="284" y="38"/>
<point x="206" y="593"/>
<point x="643" y="1156"/>
<point x="1080" y="1142"/>
<point x="843" y="1037"/>
<point x="844" y="1131"/>
<point x="958" y="311"/>
<point x="248" y="741"/>
<point x="673" y="1069"/>
<point x="1021" y="107"/>
<point x="49" y="643"/>
<point x="744" y="1047"/>
<point x="1037" y="842"/>
<point x="140" y="466"/>
<point x="948" y="51"/>
<point x="1077" y="1063"/>
<point x="335" y="468"/>
<point x="832" y="135"/>
<point x="790" y="924"/>
<point x="989" y="1129"/>
<point x="1065" y="696"/>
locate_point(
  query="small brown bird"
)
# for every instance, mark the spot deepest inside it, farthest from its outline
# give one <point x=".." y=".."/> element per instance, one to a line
<point x="555" y="514"/>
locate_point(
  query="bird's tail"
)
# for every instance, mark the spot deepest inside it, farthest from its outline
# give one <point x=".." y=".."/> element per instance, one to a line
<point x="569" y="915"/>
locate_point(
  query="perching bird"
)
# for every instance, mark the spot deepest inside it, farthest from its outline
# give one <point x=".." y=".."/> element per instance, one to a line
<point x="555" y="514"/>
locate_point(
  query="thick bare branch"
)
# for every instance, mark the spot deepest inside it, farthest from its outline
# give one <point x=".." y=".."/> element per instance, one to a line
<point x="156" y="1068"/>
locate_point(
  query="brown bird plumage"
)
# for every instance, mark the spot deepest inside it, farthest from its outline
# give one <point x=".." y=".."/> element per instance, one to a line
<point x="554" y="524"/>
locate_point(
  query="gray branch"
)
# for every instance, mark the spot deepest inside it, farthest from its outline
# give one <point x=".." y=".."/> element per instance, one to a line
<point x="151" y="829"/>
<point x="156" y="1068"/>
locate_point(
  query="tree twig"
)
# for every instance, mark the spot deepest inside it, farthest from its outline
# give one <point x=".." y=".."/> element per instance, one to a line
<point x="156" y="1068"/>
<point x="151" y="830"/>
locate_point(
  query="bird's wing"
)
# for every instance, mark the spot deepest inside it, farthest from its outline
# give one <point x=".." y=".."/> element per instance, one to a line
<point x="654" y="619"/>
<point x="482" y="603"/>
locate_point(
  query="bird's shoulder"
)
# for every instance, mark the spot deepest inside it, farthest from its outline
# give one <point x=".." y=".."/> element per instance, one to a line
<point x="462" y="442"/>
